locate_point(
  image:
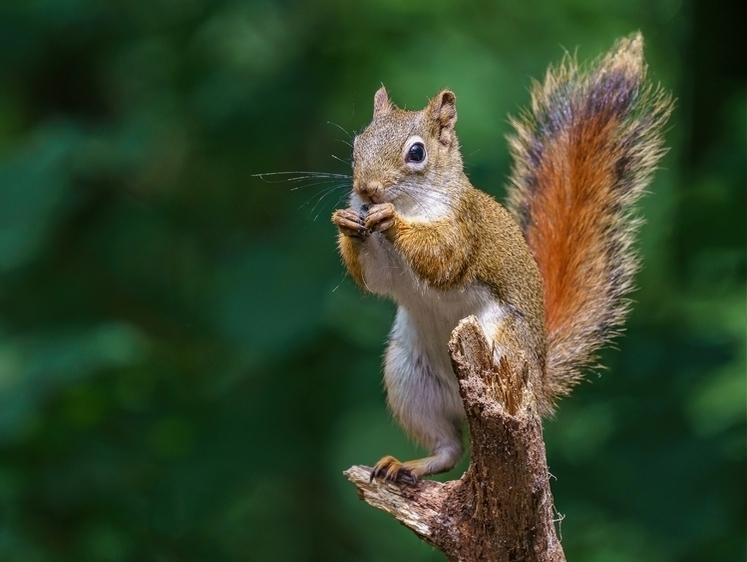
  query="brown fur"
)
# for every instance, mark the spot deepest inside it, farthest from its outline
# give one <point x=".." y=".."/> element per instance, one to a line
<point x="435" y="250"/>
<point x="349" y="250"/>
<point x="582" y="158"/>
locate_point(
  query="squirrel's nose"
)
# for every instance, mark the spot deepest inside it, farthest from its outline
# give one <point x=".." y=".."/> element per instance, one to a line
<point x="369" y="190"/>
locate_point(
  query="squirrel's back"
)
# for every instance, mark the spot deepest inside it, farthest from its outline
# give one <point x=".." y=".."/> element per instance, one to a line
<point x="582" y="157"/>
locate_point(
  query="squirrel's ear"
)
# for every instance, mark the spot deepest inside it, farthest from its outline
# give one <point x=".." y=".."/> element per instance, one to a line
<point x="442" y="110"/>
<point x="382" y="105"/>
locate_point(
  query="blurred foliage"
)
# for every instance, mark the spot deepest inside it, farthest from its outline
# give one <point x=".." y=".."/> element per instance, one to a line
<point x="185" y="369"/>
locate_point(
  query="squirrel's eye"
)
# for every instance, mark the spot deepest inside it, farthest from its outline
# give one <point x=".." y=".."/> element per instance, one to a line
<point x="416" y="153"/>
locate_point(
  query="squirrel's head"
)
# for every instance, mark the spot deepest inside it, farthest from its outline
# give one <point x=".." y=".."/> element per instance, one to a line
<point x="409" y="158"/>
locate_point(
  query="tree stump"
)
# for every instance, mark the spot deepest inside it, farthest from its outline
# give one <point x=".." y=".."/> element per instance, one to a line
<point x="501" y="509"/>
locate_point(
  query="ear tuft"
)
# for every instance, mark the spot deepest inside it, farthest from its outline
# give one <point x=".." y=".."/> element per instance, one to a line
<point x="382" y="105"/>
<point x="442" y="109"/>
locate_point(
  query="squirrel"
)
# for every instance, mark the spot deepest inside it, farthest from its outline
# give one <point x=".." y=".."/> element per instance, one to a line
<point x="546" y="278"/>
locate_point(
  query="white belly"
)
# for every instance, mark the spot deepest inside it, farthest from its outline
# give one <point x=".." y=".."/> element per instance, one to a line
<point x="427" y="316"/>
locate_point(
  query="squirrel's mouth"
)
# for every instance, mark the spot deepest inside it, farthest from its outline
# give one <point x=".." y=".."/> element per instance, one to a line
<point x="366" y="200"/>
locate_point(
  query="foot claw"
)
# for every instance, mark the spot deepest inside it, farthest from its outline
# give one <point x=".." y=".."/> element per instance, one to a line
<point x="390" y="469"/>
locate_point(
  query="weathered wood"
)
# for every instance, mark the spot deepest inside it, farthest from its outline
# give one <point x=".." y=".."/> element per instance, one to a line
<point x="501" y="509"/>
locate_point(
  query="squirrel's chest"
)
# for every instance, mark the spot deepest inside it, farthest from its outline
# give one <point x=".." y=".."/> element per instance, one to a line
<point x="433" y="313"/>
<point x="386" y="272"/>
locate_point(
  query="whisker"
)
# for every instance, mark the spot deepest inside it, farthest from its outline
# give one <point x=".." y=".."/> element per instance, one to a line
<point x="340" y="199"/>
<point x="323" y="182"/>
<point x="321" y="198"/>
<point x="341" y="128"/>
<point x="297" y="176"/>
<point x="297" y="172"/>
<point x="329" y="183"/>
<point x="341" y="160"/>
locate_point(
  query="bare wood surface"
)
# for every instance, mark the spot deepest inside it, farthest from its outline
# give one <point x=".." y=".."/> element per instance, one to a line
<point x="501" y="509"/>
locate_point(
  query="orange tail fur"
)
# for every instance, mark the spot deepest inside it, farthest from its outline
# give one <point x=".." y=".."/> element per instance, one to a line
<point x="582" y="158"/>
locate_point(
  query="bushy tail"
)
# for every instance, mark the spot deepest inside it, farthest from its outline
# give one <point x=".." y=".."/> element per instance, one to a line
<point x="582" y="157"/>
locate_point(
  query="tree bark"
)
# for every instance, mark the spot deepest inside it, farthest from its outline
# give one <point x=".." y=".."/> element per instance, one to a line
<point x="501" y="509"/>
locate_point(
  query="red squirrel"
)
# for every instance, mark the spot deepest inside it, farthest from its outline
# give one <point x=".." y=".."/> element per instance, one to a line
<point x="545" y="279"/>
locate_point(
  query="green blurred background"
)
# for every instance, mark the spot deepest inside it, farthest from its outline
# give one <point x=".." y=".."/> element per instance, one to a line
<point x="185" y="368"/>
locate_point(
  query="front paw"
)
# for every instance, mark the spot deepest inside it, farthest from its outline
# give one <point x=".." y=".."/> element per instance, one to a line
<point x="381" y="217"/>
<point x="351" y="223"/>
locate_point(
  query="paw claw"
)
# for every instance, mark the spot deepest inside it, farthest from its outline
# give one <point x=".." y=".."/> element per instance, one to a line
<point x="380" y="217"/>
<point x="350" y="223"/>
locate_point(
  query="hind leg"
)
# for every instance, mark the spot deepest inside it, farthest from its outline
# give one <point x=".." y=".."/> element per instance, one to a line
<point x="424" y="397"/>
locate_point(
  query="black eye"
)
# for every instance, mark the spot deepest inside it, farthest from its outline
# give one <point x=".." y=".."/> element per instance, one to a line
<point x="416" y="153"/>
